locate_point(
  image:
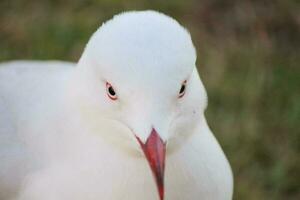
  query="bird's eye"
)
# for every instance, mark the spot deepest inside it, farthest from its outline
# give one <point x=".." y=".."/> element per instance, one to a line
<point x="111" y="92"/>
<point x="182" y="89"/>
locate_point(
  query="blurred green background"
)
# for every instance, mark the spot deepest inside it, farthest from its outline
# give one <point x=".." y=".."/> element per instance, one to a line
<point x="248" y="58"/>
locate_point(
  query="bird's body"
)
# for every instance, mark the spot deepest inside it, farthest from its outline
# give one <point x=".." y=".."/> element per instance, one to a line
<point x="55" y="145"/>
<point x="25" y="88"/>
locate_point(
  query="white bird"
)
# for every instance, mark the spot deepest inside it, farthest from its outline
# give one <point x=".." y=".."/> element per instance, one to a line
<point x="125" y="122"/>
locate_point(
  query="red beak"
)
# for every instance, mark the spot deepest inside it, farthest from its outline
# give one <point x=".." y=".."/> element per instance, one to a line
<point x="155" y="151"/>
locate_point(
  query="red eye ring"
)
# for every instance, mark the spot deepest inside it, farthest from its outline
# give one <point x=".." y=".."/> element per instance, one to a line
<point x="111" y="92"/>
<point x="182" y="89"/>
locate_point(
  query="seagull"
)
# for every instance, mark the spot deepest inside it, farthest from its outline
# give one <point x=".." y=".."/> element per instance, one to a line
<point x="125" y="122"/>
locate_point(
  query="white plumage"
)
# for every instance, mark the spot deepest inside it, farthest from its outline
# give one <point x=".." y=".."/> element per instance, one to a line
<point x="63" y="138"/>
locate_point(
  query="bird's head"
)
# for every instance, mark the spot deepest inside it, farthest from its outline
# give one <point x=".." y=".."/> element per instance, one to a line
<point x="139" y="70"/>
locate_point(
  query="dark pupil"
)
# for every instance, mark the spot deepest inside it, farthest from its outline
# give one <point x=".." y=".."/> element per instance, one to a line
<point x="111" y="91"/>
<point x="182" y="89"/>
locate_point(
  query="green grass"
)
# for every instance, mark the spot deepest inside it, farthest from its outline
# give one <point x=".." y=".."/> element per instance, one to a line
<point x="248" y="58"/>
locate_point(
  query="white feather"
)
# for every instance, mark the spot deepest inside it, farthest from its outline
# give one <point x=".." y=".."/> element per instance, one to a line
<point x="62" y="138"/>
